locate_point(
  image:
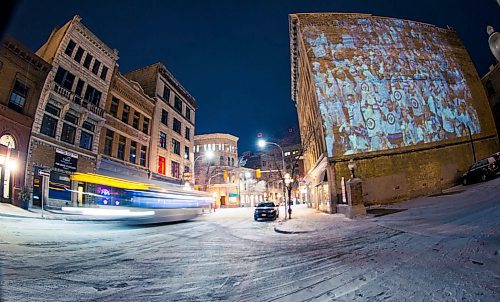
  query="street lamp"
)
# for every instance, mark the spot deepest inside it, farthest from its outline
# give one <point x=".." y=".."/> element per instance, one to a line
<point x="288" y="183"/>
<point x="262" y="143"/>
<point x="494" y="42"/>
<point x="351" y="165"/>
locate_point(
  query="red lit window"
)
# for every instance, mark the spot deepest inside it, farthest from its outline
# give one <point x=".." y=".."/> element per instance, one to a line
<point x="161" y="165"/>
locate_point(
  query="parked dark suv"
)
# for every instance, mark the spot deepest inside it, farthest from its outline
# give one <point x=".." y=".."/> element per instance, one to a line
<point x="481" y="170"/>
<point x="266" y="210"/>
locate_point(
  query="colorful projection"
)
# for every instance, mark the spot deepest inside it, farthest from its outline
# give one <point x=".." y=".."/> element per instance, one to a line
<point x="385" y="83"/>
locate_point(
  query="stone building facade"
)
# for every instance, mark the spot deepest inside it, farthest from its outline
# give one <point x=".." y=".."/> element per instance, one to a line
<point x="400" y="98"/>
<point x="172" y="125"/>
<point x="491" y="82"/>
<point x="70" y="114"/>
<point x="126" y="136"/>
<point x="22" y="74"/>
<point x="218" y="172"/>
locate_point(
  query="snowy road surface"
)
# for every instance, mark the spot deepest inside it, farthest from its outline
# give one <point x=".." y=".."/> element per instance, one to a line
<point x="442" y="248"/>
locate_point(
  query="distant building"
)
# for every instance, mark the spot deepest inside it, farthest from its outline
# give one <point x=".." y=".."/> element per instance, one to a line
<point x="219" y="171"/>
<point x="126" y="135"/>
<point x="491" y="82"/>
<point x="172" y="125"/>
<point x="70" y="114"/>
<point x="22" y="74"/>
<point x="398" y="97"/>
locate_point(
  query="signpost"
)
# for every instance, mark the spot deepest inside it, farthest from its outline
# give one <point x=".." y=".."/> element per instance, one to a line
<point x="43" y="174"/>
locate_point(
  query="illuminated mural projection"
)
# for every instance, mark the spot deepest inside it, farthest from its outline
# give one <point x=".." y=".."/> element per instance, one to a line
<point x="386" y="83"/>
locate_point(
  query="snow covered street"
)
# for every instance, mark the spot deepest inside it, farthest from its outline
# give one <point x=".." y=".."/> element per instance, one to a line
<point x="440" y="248"/>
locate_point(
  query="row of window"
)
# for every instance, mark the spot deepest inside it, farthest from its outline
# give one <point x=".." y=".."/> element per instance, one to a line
<point x="177" y="102"/>
<point x="125" y="115"/>
<point x="78" y="55"/>
<point x="176" y="124"/>
<point x="70" y="127"/>
<point x="215" y="147"/>
<point x="162" y="167"/>
<point x="121" y="150"/>
<point x="66" y="80"/>
<point x="176" y="145"/>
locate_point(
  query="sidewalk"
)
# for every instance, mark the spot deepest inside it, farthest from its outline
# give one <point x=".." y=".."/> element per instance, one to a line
<point x="303" y="220"/>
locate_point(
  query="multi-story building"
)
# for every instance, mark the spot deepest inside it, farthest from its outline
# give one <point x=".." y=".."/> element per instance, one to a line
<point x="491" y="82"/>
<point x="216" y="166"/>
<point x="400" y="98"/>
<point x="70" y="114"/>
<point x="125" y="141"/>
<point x="173" y="123"/>
<point x="22" y="74"/>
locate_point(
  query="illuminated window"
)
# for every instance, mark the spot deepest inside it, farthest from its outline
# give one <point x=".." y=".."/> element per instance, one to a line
<point x="186" y="152"/>
<point x="175" y="169"/>
<point x="161" y="165"/>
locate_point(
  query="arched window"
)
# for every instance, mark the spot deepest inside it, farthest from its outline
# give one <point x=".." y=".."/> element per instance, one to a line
<point x="232" y="162"/>
<point x="221" y="161"/>
<point x="8" y="141"/>
<point x="228" y="161"/>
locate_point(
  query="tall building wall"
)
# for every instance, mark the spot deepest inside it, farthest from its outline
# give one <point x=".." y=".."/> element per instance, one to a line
<point x="402" y="98"/>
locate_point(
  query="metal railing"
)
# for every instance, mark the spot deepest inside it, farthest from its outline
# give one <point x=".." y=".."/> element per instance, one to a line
<point x="75" y="98"/>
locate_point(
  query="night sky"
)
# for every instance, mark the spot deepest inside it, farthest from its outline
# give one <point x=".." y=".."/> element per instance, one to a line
<point x="233" y="56"/>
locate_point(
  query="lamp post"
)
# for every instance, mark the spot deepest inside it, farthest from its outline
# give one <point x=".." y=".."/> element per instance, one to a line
<point x="352" y="165"/>
<point x="494" y="41"/>
<point x="288" y="183"/>
<point x="262" y="143"/>
<point x="207" y="154"/>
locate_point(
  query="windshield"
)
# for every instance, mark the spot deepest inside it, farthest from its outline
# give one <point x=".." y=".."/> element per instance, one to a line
<point x="266" y="204"/>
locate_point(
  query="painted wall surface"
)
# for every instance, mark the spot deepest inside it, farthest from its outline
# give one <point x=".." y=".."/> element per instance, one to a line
<point x="386" y="83"/>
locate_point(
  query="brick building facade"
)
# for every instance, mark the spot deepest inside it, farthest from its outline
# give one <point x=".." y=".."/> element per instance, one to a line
<point x="400" y="98"/>
<point x="22" y="74"/>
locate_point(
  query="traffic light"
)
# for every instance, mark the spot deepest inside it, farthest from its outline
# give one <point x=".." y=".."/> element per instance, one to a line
<point x="225" y="175"/>
<point x="257" y="173"/>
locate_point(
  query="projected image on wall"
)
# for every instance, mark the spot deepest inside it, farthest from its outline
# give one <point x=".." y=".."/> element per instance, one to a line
<point x="384" y="84"/>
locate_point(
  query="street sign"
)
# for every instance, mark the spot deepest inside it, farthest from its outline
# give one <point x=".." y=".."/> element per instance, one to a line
<point x="186" y="176"/>
<point x="43" y="173"/>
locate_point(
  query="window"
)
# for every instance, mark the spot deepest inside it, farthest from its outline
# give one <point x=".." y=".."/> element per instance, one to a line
<point x="166" y="93"/>
<point x="104" y="72"/>
<point x="221" y="161"/>
<point x="175" y="170"/>
<point x="79" y="87"/>
<point x="187" y="135"/>
<point x="178" y="104"/>
<point x="188" y="113"/>
<point x="125" y="113"/>
<point x="177" y="126"/>
<point x="163" y="140"/>
<point x="135" y="121"/>
<point x="186" y="152"/>
<point x="164" y="117"/>
<point x="228" y="161"/>
<point x="145" y="125"/>
<point x="142" y="161"/>
<point x="108" y="142"/>
<point x="49" y="125"/>
<point x="232" y="162"/>
<point x="79" y="54"/>
<point x="69" y="128"/>
<point x="18" y="97"/>
<point x="95" y="68"/>
<point x="86" y="138"/>
<point x="86" y="62"/>
<point x="64" y="78"/>
<point x="162" y="168"/>
<point x="132" y="153"/>
<point x="121" y="148"/>
<point x="176" y="147"/>
<point x="92" y="95"/>
<point x="113" y="109"/>
<point x="52" y="109"/>
<point x="70" y="48"/>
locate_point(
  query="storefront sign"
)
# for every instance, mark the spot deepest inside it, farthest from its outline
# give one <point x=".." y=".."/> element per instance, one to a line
<point x="66" y="160"/>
